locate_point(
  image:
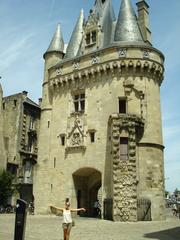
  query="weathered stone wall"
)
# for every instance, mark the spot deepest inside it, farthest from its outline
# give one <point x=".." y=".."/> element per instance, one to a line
<point x="125" y="171"/>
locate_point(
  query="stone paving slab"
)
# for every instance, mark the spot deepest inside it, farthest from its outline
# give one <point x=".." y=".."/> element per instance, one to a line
<point x="49" y="228"/>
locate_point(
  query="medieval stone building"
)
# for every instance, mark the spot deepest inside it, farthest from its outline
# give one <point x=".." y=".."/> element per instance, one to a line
<point x="101" y="129"/>
<point x="19" y="127"/>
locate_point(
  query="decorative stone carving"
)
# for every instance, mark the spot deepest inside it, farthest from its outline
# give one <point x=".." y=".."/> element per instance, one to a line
<point x="76" y="136"/>
<point x="122" y="52"/>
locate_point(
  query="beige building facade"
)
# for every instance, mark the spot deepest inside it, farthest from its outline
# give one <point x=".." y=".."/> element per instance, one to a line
<point x="19" y="130"/>
<point x="101" y="129"/>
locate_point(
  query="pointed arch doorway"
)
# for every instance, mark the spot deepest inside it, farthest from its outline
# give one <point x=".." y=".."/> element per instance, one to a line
<point x="87" y="183"/>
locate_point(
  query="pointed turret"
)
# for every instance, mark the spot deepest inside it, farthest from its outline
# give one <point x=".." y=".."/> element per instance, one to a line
<point x="57" y="42"/>
<point x="76" y="37"/>
<point x="127" y="29"/>
<point x="108" y="17"/>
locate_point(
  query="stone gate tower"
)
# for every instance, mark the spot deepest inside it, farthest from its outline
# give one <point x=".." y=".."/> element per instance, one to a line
<point x="101" y="128"/>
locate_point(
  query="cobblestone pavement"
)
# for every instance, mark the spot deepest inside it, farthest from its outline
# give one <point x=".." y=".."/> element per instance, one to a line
<point x="49" y="228"/>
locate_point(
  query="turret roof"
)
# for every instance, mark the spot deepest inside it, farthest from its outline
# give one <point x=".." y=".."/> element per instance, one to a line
<point x="127" y="28"/>
<point x="57" y="42"/>
<point x="76" y="37"/>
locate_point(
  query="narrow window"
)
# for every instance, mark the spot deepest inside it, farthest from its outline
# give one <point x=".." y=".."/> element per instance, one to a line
<point x="92" y="137"/>
<point x="88" y="38"/>
<point x="93" y="36"/>
<point x="62" y="140"/>
<point x="31" y="124"/>
<point x="15" y="102"/>
<point x="123" y="148"/>
<point x="54" y="162"/>
<point x="122" y="106"/>
<point x="48" y="124"/>
<point x="3" y="105"/>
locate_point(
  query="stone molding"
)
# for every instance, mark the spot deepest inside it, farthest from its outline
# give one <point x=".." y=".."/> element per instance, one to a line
<point x="125" y="67"/>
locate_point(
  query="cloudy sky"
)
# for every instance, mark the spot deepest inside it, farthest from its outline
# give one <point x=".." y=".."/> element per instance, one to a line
<point x="26" y="28"/>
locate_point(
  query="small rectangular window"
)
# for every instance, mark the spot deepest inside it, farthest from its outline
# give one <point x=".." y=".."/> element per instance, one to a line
<point x="123" y="148"/>
<point x="3" y="105"/>
<point x="15" y="102"/>
<point x="88" y="38"/>
<point x="122" y="106"/>
<point x="92" y="137"/>
<point x="48" y="124"/>
<point x="79" y="102"/>
<point x="62" y="140"/>
<point x="93" y="36"/>
<point x="54" y="162"/>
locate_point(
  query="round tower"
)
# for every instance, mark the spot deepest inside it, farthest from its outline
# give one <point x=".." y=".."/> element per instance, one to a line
<point x="52" y="57"/>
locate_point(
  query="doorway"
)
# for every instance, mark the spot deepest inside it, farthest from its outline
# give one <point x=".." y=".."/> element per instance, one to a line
<point x="87" y="183"/>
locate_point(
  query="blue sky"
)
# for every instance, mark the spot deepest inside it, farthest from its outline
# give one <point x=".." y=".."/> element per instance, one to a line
<point x="26" y="28"/>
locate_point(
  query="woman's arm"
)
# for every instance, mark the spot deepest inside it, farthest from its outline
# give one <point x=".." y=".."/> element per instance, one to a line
<point x="60" y="209"/>
<point x="78" y="209"/>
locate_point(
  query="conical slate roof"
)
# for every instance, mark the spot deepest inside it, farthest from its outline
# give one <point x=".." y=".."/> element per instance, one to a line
<point x="57" y="42"/>
<point x="127" y="28"/>
<point x="76" y="37"/>
<point x="108" y="17"/>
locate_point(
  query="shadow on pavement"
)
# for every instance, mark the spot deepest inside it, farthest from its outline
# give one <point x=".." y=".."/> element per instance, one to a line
<point x="169" y="234"/>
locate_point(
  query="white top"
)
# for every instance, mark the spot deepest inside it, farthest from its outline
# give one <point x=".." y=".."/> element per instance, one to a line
<point x="67" y="216"/>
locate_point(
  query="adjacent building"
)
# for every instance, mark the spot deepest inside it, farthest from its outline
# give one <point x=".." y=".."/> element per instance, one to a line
<point x="19" y="135"/>
<point x="101" y="130"/>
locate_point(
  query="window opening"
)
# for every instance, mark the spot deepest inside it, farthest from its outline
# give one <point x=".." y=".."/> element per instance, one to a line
<point x="92" y="137"/>
<point x="15" y="102"/>
<point x="55" y="162"/>
<point x="122" y="106"/>
<point x="62" y="140"/>
<point x="79" y="102"/>
<point x="123" y="148"/>
<point x="91" y="37"/>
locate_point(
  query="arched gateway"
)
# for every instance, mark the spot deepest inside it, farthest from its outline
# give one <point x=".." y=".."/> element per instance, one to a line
<point x="87" y="183"/>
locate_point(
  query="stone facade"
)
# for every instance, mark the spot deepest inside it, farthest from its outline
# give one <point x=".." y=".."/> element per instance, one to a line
<point x="20" y="134"/>
<point x="101" y="130"/>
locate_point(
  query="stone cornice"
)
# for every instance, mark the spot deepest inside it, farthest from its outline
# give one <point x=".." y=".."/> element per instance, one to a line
<point x="123" y="67"/>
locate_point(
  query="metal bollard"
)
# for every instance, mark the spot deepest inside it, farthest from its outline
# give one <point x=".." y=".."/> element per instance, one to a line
<point x="20" y="221"/>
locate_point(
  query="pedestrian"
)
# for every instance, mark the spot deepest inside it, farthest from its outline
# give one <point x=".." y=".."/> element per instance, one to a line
<point x="97" y="208"/>
<point x="67" y="218"/>
<point x="174" y="209"/>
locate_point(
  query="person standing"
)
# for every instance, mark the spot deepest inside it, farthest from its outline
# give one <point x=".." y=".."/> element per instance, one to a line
<point x="67" y="218"/>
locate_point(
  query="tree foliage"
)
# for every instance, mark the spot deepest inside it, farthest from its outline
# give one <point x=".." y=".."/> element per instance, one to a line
<point x="6" y="188"/>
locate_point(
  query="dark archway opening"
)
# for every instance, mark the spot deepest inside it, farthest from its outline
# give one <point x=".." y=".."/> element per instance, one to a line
<point x="87" y="182"/>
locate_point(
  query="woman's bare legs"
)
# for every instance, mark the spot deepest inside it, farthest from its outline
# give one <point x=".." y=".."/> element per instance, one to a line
<point x="68" y="233"/>
<point x="65" y="234"/>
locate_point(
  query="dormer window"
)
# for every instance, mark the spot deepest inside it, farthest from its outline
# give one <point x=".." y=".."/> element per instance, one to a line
<point x="91" y="38"/>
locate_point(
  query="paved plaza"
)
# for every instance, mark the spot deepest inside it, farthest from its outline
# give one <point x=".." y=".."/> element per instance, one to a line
<point x="49" y="228"/>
